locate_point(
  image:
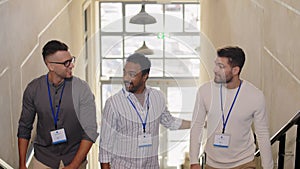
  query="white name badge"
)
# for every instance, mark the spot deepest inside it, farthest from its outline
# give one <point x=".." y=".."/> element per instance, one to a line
<point x="222" y="140"/>
<point x="145" y="140"/>
<point x="58" y="136"/>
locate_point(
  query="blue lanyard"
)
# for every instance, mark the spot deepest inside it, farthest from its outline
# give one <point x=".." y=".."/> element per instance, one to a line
<point x="223" y="118"/>
<point x="137" y="112"/>
<point x="50" y="101"/>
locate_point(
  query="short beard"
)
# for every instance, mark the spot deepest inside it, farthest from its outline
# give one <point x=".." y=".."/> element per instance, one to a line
<point x="222" y="81"/>
<point x="132" y="90"/>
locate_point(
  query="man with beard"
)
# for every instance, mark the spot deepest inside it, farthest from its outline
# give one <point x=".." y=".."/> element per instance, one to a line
<point x="129" y="135"/>
<point x="66" y="114"/>
<point x="229" y="105"/>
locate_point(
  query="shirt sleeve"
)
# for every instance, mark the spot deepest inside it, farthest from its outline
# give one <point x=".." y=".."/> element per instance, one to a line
<point x="167" y="120"/>
<point x="84" y="104"/>
<point x="88" y="114"/>
<point x="27" y="115"/>
<point x="262" y="133"/>
<point x="107" y="133"/>
<point x="198" y="121"/>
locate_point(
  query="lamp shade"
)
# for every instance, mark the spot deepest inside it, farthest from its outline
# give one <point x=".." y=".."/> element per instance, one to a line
<point x="144" y="50"/>
<point x="142" y="18"/>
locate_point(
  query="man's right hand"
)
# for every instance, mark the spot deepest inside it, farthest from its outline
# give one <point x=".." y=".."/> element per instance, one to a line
<point x="22" y="167"/>
<point x="105" y="166"/>
<point x="195" y="166"/>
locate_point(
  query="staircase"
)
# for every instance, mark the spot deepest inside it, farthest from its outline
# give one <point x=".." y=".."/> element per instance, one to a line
<point x="280" y="136"/>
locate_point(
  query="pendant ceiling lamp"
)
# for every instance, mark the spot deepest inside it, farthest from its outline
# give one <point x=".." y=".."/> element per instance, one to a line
<point x="142" y="18"/>
<point x="144" y="50"/>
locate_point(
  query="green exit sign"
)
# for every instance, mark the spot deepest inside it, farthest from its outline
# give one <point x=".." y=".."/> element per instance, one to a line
<point x="161" y="35"/>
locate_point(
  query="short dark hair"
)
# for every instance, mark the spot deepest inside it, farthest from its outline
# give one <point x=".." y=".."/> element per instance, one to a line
<point x="235" y="55"/>
<point x="143" y="61"/>
<point x="53" y="46"/>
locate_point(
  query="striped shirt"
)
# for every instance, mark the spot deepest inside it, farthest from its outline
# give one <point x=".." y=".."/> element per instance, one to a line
<point x="121" y="126"/>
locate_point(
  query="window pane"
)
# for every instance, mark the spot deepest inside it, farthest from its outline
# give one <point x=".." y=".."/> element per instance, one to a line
<point x="111" y="47"/>
<point x="156" y="68"/>
<point x="182" y="67"/>
<point x="109" y="90"/>
<point x="173" y="8"/>
<point x="176" y="47"/>
<point x="174" y="18"/>
<point x="191" y="42"/>
<point x="192" y="18"/>
<point x="111" y="17"/>
<point x="130" y="11"/>
<point x="178" y="143"/>
<point x="112" y="68"/>
<point x="135" y="42"/>
<point x="181" y="99"/>
<point x="156" y="11"/>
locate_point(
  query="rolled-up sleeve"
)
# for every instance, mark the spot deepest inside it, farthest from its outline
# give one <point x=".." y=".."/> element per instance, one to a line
<point x="27" y="115"/>
<point x="84" y="104"/>
<point x="167" y="120"/>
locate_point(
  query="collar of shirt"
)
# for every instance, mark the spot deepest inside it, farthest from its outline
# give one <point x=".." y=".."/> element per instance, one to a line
<point x="126" y="93"/>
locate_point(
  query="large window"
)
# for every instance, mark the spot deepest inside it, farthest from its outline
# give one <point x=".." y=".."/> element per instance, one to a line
<point x="173" y="39"/>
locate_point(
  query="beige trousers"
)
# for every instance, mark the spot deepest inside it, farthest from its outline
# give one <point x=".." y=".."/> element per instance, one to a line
<point x="38" y="165"/>
<point x="249" y="165"/>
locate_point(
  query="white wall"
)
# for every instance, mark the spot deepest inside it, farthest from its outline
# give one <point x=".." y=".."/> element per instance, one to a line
<point x="25" y="27"/>
<point x="268" y="31"/>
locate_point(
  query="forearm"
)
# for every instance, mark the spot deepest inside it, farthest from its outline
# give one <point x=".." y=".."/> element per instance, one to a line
<point x="195" y="141"/>
<point x="194" y="152"/>
<point x="81" y="154"/>
<point x="23" y="146"/>
<point x="195" y="166"/>
<point x="263" y="137"/>
<point x="105" y="166"/>
<point x="185" y="124"/>
<point x="195" y="144"/>
<point x="264" y="144"/>
<point x="197" y="126"/>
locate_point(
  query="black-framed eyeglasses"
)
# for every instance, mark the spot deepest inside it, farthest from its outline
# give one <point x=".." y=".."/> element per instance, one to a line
<point x="67" y="62"/>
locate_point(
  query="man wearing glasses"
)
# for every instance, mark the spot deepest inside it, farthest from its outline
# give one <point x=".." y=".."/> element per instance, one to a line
<point x="66" y="114"/>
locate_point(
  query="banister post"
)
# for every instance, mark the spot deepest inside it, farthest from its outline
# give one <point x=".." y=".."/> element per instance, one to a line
<point x="203" y="160"/>
<point x="281" y="152"/>
<point x="297" y="153"/>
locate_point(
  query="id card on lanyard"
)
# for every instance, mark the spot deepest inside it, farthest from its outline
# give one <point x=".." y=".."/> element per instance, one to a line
<point x="144" y="140"/>
<point x="222" y="139"/>
<point x="57" y="135"/>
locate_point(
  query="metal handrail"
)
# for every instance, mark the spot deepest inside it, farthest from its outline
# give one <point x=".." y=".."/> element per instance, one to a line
<point x="29" y="154"/>
<point x="282" y="131"/>
<point x="4" y="165"/>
